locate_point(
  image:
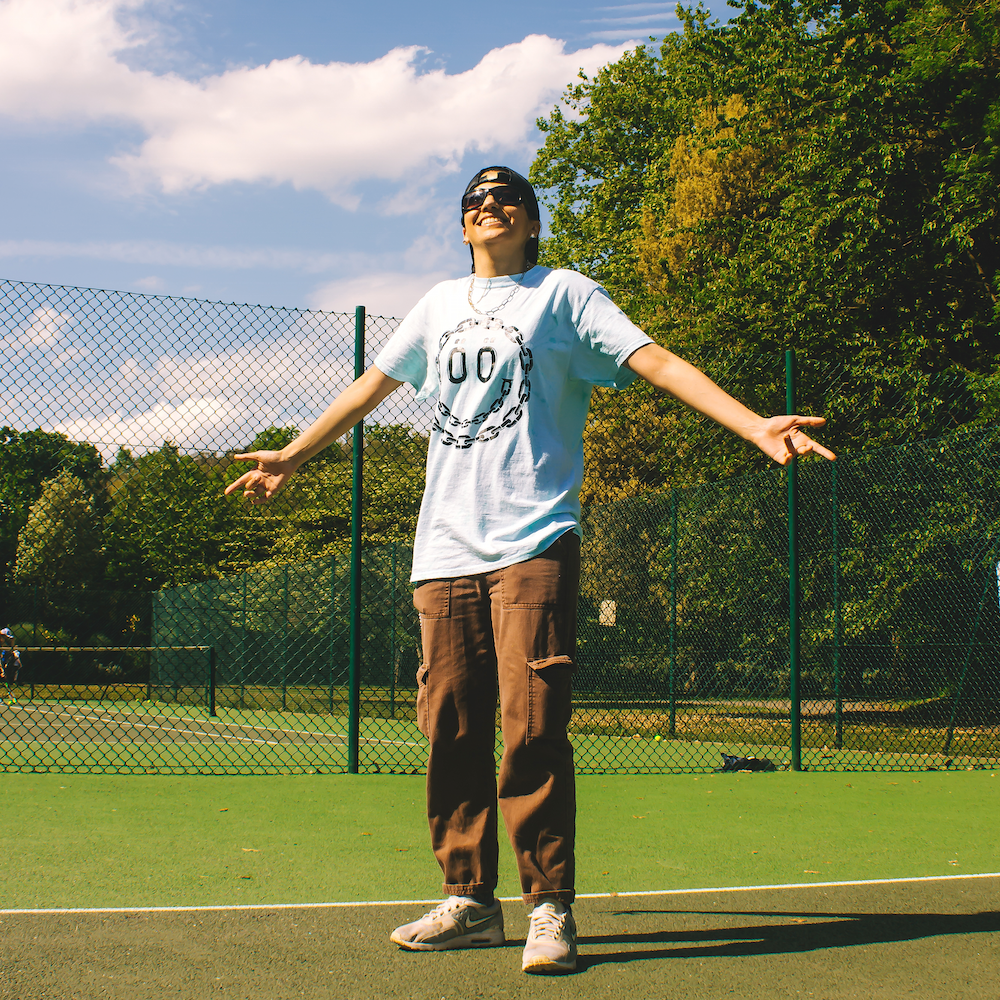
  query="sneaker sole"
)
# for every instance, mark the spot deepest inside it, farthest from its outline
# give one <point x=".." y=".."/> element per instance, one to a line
<point x="483" y="939"/>
<point x="547" y="967"/>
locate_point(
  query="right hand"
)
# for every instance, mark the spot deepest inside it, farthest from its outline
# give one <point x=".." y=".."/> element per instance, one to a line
<point x="269" y="478"/>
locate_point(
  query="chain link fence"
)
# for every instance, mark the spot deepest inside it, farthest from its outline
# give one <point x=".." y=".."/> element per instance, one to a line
<point x="164" y="627"/>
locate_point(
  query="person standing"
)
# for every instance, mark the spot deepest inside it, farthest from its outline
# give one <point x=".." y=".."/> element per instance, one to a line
<point x="10" y="658"/>
<point x="510" y="356"/>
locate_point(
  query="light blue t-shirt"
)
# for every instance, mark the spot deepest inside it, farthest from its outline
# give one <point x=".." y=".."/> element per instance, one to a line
<point x="505" y="458"/>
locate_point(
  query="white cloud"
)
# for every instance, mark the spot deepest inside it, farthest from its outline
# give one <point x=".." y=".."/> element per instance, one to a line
<point x="165" y="254"/>
<point x="193" y="425"/>
<point x="666" y="8"/>
<point x="656" y="31"/>
<point x="211" y="402"/>
<point x="324" y="127"/>
<point x="383" y="294"/>
<point x="45" y="328"/>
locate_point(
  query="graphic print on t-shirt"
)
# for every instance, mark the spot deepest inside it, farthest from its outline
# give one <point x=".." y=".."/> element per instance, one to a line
<point x="483" y="377"/>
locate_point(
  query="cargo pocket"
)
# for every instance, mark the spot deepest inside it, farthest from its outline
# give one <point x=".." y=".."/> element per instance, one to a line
<point x="550" y="685"/>
<point x="422" y="719"/>
<point x="433" y="599"/>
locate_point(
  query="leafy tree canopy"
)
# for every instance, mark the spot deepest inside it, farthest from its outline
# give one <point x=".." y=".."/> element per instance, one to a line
<point x="61" y="541"/>
<point x="816" y="176"/>
<point x="167" y="522"/>
<point x="27" y="460"/>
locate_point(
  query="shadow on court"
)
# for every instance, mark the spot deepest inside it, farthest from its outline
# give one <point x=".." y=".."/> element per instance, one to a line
<point x="804" y="931"/>
<point x="923" y="940"/>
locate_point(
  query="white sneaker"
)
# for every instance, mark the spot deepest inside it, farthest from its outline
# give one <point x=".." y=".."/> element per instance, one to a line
<point x="551" y="944"/>
<point x="459" y="922"/>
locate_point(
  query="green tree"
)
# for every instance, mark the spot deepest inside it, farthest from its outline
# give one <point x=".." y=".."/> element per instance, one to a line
<point x="816" y="176"/>
<point x="27" y="460"/>
<point x="167" y="522"/>
<point x="316" y="506"/>
<point x="60" y="545"/>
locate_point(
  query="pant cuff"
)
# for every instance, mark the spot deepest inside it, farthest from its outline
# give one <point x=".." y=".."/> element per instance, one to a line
<point x="566" y="896"/>
<point x="466" y="888"/>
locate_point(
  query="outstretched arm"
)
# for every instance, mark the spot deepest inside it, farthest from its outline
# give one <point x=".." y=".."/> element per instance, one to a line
<point x="275" y="468"/>
<point x="781" y="438"/>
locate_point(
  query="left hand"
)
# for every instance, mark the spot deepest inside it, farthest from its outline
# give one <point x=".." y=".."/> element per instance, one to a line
<point x="782" y="438"/>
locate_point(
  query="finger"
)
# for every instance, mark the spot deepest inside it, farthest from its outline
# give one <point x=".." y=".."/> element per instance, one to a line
<point x="242" y="481"/>
<point x="251" y="456"/>
<point x="798" y="421"/>
<point x="817" y="449"/>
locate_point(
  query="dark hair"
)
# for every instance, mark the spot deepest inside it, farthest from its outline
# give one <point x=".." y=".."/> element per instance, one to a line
<point x="504" y="175"/>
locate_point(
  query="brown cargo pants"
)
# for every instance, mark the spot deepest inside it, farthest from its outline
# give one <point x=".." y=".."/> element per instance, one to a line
<point x="512" y="633"/>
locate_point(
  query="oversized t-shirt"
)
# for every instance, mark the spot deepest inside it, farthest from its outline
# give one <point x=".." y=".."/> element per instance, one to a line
<point x="512" y="389"/>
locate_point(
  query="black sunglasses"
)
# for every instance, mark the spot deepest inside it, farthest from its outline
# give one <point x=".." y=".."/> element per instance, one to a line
<point x="503" y="194"/>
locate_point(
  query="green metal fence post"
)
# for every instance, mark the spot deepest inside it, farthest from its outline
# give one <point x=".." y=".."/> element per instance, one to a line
<point x="154" y="639"/>
<point x="333" y="619"/>
<point x="34" y="634"/>
<point x="673" y="611"/>
<point x="284" y="644"/>
<point x="795" y="711"/>
<point x="392" y="638"/>
<point x="211" y="681"/>
<point x="354" y="692"/>
<point x="243" y="647"/>
<point x="834" y="524"/>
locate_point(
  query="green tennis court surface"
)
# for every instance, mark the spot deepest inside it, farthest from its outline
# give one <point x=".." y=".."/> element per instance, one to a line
<point x="137" y="737"/>
<point x="926" y="941"/>
<point x="162" y="841"/>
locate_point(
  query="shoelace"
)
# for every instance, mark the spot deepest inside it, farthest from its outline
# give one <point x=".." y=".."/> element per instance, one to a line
<point x="448" y="906"/>
<point x="546" y="923"/>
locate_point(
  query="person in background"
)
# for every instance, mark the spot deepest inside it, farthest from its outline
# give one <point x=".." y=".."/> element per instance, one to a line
<point x="10" y="657"/>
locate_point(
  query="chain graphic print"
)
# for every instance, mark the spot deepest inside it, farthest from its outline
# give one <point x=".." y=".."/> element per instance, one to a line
<point x="456" y="366"/>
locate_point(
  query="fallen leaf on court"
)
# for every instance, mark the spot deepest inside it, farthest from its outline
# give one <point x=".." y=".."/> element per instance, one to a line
<point x="638" y="817"/>
<point x="402" y="848"/>
<point x="605" y="873"/>
<point x="365" y="833"/>
<point x="223" y="810"/>
<point x="253" y="849"/>
<point x="809" y="871"/>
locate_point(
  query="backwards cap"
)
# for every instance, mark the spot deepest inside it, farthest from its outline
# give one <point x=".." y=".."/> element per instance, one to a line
<point x="504" y="175"/>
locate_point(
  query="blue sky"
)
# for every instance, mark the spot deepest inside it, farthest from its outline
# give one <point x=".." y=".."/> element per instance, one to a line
<point x="301" y="153"/>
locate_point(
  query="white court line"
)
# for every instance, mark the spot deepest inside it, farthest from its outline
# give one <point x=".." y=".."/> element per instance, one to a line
<point x="118" y="720"/>
<point x="504" y="899"/>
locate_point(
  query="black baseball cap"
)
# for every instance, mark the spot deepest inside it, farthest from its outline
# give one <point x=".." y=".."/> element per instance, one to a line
<point x="504" y="175"/>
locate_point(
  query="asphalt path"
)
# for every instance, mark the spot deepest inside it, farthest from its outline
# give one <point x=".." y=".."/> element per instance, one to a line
<point x="919" y="940"/>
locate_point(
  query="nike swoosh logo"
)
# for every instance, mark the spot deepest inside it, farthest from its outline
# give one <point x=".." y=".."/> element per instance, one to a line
<point x="470" y="923"/>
